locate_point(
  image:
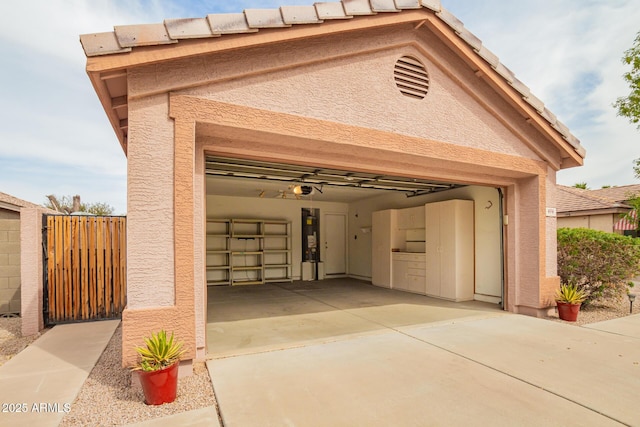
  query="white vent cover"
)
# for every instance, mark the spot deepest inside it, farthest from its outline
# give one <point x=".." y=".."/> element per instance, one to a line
<point x="411" y="77"/>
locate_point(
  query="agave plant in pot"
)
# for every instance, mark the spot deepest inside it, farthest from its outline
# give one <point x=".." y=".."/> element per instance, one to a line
<point x="569" y="298"/>
<point x="158" y="367"/>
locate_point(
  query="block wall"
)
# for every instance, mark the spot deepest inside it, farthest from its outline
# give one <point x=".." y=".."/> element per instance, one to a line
<point x="9" y="264"/>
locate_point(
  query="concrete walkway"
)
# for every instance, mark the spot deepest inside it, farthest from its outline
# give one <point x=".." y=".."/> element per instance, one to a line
<point x="38" y="385"/>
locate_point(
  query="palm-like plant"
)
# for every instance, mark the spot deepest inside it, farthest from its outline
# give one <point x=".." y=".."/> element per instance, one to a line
<point x="571" y="294"/>
<point x="159" y="352"/>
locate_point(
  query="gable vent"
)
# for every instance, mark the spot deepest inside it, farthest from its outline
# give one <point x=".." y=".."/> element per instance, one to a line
<point x="411" y="77"/>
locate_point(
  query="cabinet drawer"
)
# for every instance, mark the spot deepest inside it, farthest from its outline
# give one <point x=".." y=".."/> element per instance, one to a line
<point x="416" y="272"/>
<point x="416" y="284"/>
<point x="416" y="264"/>
<point x="405" y="256"/>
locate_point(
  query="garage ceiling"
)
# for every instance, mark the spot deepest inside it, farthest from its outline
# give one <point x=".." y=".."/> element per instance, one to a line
<point x="250" y="178"/>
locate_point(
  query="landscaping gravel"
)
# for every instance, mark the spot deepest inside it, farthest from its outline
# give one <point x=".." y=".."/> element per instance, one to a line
<point x="11" y="340"/>
<point x="107" y="398"/>
<point x="601" y="310"/>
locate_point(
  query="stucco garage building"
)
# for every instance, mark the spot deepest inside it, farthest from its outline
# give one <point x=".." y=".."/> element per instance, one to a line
<point x="370" y="105"/>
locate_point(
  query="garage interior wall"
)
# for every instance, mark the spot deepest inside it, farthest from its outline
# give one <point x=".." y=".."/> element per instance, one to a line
<point x="487" y="226"/>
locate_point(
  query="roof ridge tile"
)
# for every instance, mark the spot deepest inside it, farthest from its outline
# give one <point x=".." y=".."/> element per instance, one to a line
<point x="300" y="15"/>
<point x="331" y="10"/>
<point x="189" y="28"/>
<point x="265" y="18"/>
<point x="229" y="23"/>
<point x="383" y="6"/>
<point x="434" y="5"/>
<point x="357" y="7"/>
<point x="142" y="35"/>
<point x="407" y="4"/>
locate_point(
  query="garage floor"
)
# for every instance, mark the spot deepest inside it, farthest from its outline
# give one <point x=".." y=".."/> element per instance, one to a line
<point x="252" y="319"/>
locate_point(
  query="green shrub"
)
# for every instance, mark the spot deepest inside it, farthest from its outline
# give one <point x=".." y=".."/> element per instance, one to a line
<point x="595" y="261"/>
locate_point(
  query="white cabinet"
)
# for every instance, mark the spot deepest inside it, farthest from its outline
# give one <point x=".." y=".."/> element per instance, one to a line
<point x="450" y="250"/>
<point x="408" y="272"/>
<point x="384" y="237"/>
<point x="411" y="218"/>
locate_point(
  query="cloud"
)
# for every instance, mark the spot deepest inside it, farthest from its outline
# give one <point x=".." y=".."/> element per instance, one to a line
<point x="568" y="53"/>
<point x="56" y="137"/>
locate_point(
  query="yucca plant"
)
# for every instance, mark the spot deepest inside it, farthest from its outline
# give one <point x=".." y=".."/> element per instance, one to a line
<point x="159" y="352"/>
<point x="571" y="294"/>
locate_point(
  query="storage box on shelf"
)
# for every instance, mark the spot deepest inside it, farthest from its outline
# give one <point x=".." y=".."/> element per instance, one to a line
<point x="248" y="251"/>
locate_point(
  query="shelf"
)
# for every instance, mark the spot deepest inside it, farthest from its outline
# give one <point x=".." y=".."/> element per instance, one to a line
<point x="247" y="268"/>
<point x="218" y="282"/>
<point x="238" y="251"/>
<point x="247" y="282"/>
<point x="278" y="279"/>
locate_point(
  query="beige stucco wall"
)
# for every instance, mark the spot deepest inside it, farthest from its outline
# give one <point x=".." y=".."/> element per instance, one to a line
<point x="346" y="91"/>
<point x="604" y="222"/>
<point x="150" y="210"/>
<point x="31" y="270"/>
<point x="9" y="262"/>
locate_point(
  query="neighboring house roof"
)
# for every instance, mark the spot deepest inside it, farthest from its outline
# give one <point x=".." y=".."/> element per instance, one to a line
<point x="575" y="200"/>
<point x="11" y="203"/>
<point x="111" y="84"/>
<point x="620" y="194"/>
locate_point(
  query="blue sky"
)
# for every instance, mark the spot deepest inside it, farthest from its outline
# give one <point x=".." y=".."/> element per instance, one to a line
<point x="55" y="137"/>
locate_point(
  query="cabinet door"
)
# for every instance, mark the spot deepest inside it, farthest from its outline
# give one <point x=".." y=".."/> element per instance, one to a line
<point x="410" y="218"/>
<point x="432" y="249"/>
<point x="381" y="249"/>
<point x="399" y="269"/>
<point x="448" y="250"/>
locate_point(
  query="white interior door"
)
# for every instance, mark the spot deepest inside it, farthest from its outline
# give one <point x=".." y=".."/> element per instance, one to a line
<point x="335" y="246"/>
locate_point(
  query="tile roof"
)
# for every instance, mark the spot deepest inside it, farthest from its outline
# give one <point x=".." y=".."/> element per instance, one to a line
<point x="619" y="194"/>
<point x="125" y="38"/>
<point x="571" y="199"/>
<point x="6" y="199"/>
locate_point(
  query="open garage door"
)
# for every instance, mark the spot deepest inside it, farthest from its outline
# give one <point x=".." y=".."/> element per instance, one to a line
<point x="251" y="190"/>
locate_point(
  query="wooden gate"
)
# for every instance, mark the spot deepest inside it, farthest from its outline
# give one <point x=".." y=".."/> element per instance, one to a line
<point x="85" y="267"/>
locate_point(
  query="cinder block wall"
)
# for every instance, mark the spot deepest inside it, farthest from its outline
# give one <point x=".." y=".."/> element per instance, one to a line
<point x="9" y="262"/>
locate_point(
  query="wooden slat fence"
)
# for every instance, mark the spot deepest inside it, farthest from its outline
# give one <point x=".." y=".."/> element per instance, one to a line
<point x="85" y="274"/>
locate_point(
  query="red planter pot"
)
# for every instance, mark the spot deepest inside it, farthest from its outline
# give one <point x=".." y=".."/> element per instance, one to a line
<point x="160" y="386"/>
<point x="568" y="312"/>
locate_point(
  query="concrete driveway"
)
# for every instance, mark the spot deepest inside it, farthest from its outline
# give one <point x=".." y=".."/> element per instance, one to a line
<point x="409" y="360"/>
